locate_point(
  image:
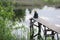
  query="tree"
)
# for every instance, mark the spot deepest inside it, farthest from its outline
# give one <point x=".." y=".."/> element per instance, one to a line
<point x="6" y="14"/>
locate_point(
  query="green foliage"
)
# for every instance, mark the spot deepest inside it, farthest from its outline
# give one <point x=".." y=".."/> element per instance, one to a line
<point x="19" y="14"/>
<point x="6" y="14"/>
<point x="6" y="10"/>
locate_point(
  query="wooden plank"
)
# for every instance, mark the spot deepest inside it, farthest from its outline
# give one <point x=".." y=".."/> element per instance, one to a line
<point x="50" y="18"/>
<point x="49" y="25"/>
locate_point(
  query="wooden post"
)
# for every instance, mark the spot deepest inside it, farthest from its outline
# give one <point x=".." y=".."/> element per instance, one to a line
<point x="44" y="31"/>
<point x="53" y="35"/>
<point x="31" y="30"/>
<point x="57" y="37"/>
<point x="39" y="31"/>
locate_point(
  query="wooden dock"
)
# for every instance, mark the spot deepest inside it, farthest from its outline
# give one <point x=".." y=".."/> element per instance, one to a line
<point x="50" y="22"/>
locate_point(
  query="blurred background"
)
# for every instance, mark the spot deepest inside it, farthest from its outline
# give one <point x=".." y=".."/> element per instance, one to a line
<point x="15" y="15"/>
